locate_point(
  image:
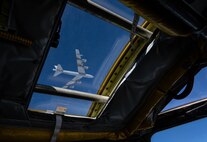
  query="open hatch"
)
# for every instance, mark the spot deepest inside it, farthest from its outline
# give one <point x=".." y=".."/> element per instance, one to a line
<point x="104" y="70"/>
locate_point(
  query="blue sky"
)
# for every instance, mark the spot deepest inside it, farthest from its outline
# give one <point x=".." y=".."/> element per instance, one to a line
<point x="191" y="132"/>
<point x="100" y="43"/>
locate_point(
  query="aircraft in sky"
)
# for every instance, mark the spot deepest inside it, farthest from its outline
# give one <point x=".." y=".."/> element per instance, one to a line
<point x="78" y="75"/>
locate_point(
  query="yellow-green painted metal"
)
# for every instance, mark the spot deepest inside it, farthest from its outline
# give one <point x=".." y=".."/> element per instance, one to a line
<point x="120" y="68"/>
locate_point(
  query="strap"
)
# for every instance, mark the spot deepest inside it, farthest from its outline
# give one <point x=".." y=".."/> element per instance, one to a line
<point x="134" y="26"/>
<point x="57" y="128"/>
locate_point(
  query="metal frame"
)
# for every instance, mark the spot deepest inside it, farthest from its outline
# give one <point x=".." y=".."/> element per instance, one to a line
<point x="51" y="90"/>
<point x="181" y="115"/>
<point x="110" y="17"/>
<point x="66" y="115"/>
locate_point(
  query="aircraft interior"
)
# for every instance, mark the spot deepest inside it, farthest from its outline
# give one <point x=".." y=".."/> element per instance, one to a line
<point x="126" y="60"/>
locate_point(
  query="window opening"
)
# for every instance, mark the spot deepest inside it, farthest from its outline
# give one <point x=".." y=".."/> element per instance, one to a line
<point x="87" y="46"/>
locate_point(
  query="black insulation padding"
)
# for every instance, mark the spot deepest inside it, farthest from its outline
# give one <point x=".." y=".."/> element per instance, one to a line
<point x="34" y="20"/>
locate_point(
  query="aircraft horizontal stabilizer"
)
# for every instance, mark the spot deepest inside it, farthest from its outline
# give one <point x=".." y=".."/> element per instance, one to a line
<point x="66" y="87"/>
<point x="58" y="70"/>
<point x="86" y="67"/>
<point x="84" y="60"/>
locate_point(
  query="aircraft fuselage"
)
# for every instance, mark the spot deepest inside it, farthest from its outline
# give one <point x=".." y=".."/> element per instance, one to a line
<point x="73" y="73"/>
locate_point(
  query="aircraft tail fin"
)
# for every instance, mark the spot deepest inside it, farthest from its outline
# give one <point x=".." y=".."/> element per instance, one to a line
<point x="58" y="70"/>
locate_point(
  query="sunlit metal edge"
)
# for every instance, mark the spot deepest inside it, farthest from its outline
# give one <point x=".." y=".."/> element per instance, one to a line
<point x="70" y="93"/>
<point x="146" y="32"/>
<point x="183" y="106"/>
<point x="109" y="11"/>
<point x="53" y="113"/>
<point x="74" y="93"/>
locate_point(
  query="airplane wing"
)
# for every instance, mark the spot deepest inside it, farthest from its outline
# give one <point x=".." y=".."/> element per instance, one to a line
<point x="73" y="81"/>
<point x="80" y="62"/>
